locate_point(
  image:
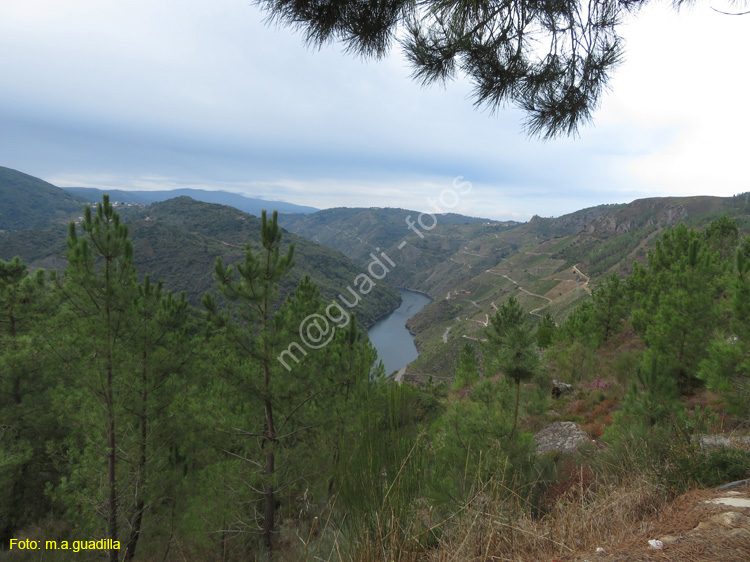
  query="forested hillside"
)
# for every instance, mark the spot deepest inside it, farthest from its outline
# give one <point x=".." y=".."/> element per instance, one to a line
<point x="27" y="202"/>
<point x="251" y="420"/>
<point x="250" y="205"/>
<point x="227" y="432"/>
<point x="550" y="265"/>
<point x="178" y="240"/>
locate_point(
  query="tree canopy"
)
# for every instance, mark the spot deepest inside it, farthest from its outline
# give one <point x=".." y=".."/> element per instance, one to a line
<point x="551" y="58"/>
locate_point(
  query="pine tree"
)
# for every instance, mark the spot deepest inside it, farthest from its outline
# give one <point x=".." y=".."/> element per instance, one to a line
<point x="726" y="368"/>
<point x="550" y="59"/>
<point x="26" y="421"/>
<point x="579" y="327"/>
<point x="610" y="308"/>
<point x="160" y="348"/>
<point x="546" y="331"/>
<point x="123" y="344"/>
<point x="466" y="368"/>
<point x="653" y="400"/>
<point x="100" y="287"/>
<point x="723" y="237"/>
<point x="255" y="334"/>
<point x="511" y="348"/>
<point x="677" y="300"/>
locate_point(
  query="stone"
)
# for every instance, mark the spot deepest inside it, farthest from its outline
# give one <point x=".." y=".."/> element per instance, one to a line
<point x="729" y="519"/>
<point x="741" y="533"/>
<point x="731" y="502"/>
<point x="708" y="442"/>
<point x="564" y="437"/>
<point x="559" y="388"/>
<point x="669" y="539"/>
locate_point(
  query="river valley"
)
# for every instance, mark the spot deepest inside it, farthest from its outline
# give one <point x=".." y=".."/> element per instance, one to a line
<point x="390" y="336"/>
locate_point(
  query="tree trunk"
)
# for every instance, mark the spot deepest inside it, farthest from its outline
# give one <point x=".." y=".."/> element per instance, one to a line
<point x="141" y="479"/>
<point x="136" y="531"/>
<point x="111" y="437"/>
<point x="515" y="413"/>
<point x="111" y="475"/>
<point x="269" y="512"/>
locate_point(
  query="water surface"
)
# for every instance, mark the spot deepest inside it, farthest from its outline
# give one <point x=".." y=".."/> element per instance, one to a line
<point x="390" y="337"/>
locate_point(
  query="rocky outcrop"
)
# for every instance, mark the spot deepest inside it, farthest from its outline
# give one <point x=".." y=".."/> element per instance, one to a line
<point x="564" y="437"/>
<point x="559" y="388"/>
<point x="708" y="442"/>
<point x="640" y="214"/>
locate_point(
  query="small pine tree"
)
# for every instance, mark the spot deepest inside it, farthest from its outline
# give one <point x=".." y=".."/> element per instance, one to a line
<point x="546" y="331"/>
<point x="726" y="368"/>
<point x="677" y="298"/>
<point x="610" y="308"/>
<point x="511" y="348"/>
<point x="653" y="400"/>
<point x="466" y="368"/>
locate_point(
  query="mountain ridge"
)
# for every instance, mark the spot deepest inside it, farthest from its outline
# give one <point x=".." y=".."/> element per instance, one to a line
<point x="251" y="205"/>
<point x="547" y="264"/>
<point x="29" y="201"/>
<point x="176" y="240"/>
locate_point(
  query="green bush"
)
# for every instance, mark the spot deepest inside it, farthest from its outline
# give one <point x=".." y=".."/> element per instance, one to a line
<point x="688" y="466"/>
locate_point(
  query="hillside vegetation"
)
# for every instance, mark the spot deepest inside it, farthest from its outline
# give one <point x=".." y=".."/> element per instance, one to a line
<point x="27" y="202"/>
<point x="178" y="240"/>
<point x="259" y="426"/>
<point x="249" y="205"/>
<point x="471" y="267"/>
<point x="180" y="434"/>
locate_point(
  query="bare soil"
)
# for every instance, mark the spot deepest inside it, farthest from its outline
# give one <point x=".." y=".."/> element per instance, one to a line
<point x="691" y="530"/>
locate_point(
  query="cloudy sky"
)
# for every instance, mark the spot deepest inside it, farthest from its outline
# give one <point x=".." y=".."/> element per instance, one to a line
<point x="145" y="94"/>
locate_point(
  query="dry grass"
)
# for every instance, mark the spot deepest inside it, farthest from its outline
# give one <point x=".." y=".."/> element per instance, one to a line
<point x="582" y="519"/>
<point x="498" y="526"/>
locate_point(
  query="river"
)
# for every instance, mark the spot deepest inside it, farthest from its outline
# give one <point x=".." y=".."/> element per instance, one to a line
<point x="390" y="337"/>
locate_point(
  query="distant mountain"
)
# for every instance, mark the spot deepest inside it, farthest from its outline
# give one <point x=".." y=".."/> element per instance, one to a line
<point x="358" y="232"/>
<point x="470" y="267"/>
<point x="178" y="241"/>
<point x="28" y="202"/>
<point x="247" y="204"/>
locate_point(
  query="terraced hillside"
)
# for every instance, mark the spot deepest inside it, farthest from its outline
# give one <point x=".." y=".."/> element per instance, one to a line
<point x="548" y="264"/>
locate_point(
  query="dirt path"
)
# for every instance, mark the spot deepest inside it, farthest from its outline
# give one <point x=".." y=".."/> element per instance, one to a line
<point x="533" y="294"/>
<point x="445" y="334"/>
<point x="698" y="526"/>
<point x="579" y="272"/>
<point x="529" y="292"/>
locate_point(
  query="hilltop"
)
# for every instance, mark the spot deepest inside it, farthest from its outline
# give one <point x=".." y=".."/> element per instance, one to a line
<point x="27" y="202"/>
<point x="251" y="205"/>
<point x="554" y="444"/>
<point x="175" y="240"/>
<point x="471" y="266"/>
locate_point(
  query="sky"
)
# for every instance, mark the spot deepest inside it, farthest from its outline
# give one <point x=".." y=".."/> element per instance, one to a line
<point x="144" y="94"/>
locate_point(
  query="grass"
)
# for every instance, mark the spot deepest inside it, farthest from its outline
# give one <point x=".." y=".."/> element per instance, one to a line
<point x="494" y="525"/>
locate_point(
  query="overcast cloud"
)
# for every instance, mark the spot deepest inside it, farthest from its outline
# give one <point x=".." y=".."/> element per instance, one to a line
<point x="151" y="94"/>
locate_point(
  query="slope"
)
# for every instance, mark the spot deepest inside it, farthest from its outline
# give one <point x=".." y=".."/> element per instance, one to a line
<point x="250" y="205"/>
<point x="551" y="265"/>
<point x="178" y="241"/>
<point x="27" y="202"/>
<point x="470" y="266"/>
<point x="417" y="249"/>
